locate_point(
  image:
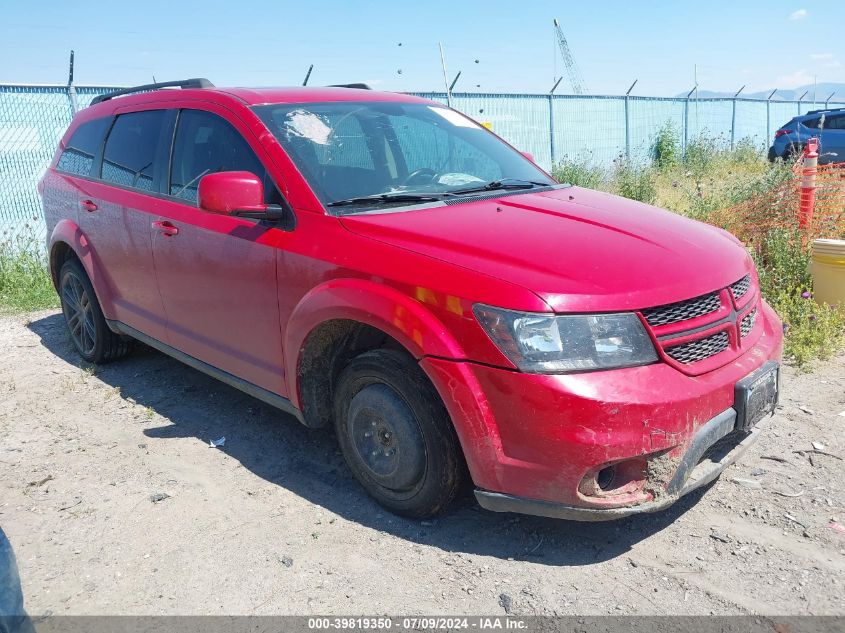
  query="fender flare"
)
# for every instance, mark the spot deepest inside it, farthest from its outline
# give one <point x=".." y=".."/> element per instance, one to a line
<point x="68" y="232"/>
<point x="400" y="316"/>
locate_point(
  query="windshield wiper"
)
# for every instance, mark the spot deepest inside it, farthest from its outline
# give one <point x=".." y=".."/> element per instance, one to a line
<point x="386" y="198"/>
<point x="504" y="183"/>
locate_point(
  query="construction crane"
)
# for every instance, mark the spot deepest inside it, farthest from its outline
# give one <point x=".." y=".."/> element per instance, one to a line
<point x="575" y="78"/>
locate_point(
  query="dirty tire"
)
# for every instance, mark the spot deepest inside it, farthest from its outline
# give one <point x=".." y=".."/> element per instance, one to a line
<point x="396" y="435"/>
<point x="91" y="337"/>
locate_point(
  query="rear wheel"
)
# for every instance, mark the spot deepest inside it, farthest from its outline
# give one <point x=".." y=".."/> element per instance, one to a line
<point x="396" y="435"/>
<point x="792" y="153"/>
<point x="91" y="337"/>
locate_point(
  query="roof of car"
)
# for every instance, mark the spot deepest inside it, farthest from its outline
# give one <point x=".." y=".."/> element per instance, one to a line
<point x="300" y="94"/>
<point x="818" y="113"/>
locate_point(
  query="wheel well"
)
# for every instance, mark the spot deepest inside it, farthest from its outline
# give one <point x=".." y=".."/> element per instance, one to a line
<point x="327" y="350"/>
<point x="59" y="254"/>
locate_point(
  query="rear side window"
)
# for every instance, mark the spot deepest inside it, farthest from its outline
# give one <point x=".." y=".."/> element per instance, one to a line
<point x="836" y="122"/>
<point x="78" y="156"/>
<point x="131" y="149"/>
<point x="205" y="144"/>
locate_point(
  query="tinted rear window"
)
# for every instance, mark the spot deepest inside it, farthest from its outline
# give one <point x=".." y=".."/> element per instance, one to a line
<point x="131" y="149"/>
<point x="85" y="142"/>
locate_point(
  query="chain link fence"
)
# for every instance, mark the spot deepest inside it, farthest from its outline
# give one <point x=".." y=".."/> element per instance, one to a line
<point x="595" y="129"/>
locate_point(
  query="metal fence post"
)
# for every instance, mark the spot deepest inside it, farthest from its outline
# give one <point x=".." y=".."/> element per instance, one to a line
<point x="800" y="99"/>
<point x="552" y="131"/>
<point x="628" y="121"/>
<point x="686" y="121"/>
<point x="71" y="89"/>
<point x="733" y="118"/>
<point x="627" y="130"/>
<point x="769" y="116"/>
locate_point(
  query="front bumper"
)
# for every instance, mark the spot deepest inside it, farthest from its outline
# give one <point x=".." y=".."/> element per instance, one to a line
<point x="536" y="443"/>
<point x="693" y="473"/>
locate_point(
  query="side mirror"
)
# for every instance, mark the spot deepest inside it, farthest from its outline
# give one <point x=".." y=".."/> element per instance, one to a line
<point x="528" y="155"/>
<point x="240" y="193"/>
<point x="228" y="192"/>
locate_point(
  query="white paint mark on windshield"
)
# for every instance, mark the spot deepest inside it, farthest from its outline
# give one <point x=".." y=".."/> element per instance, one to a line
<point x="307" y="125"/>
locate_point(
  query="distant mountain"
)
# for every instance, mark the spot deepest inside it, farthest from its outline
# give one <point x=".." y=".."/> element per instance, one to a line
<point x="822" y="90"/>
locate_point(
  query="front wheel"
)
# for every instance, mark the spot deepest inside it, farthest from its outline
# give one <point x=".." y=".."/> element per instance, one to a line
<point x="396" y="435"/>
<point x="91" y="337"/>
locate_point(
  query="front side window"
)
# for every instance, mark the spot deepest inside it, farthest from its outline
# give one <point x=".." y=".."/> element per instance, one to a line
<point x="206" y="144"/>
<point x="78" y="156"/>
<point x="393" y="151"/>
<point x="131" y="148"/>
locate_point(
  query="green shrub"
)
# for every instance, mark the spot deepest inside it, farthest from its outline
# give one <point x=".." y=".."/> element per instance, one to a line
<point x="812" y="331"/>
<point x="634" y="181"/>
<point x="782" y="264"/>
<point x="666" y="150"/>
<point x="581" y="173"/>
<point x="701" y="152"/>
<point x="25" y="282"/>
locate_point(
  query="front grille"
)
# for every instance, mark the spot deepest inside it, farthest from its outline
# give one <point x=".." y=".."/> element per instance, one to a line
<point x="740" y="288"/>
<point x="682" y="310"/>
<point x="747" y="323"/>
<point x="695" y="351"/>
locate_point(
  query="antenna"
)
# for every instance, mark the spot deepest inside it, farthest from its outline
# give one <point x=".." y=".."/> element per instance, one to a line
<point x="575" y="79"/>
<point x="308" y="75"/>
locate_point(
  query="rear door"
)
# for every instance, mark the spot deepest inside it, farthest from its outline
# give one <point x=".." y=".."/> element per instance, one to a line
<point x="216" y="274"/>
<point x="115" y="212"/>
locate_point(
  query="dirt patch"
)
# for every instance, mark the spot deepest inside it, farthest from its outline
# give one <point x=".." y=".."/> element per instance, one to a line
<point x="115" y="503"/>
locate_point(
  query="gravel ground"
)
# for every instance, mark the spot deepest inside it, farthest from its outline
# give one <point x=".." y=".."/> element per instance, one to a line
<point x="273" y="523"/>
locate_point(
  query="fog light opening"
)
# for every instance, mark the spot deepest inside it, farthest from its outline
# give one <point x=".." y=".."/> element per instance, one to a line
<point x="605" y="477"/>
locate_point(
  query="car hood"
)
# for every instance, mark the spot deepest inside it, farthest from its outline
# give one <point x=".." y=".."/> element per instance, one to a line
<point x="578" y="249"/>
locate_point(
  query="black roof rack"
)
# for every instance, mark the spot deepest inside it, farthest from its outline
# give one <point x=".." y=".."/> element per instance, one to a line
<point x="357" y="86"/>
<point x="184" y="83"/>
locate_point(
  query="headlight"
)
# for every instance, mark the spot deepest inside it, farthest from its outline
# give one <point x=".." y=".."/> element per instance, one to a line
<point x="552" y="344"/>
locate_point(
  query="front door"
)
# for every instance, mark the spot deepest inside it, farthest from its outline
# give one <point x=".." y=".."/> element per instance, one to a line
<point x="833" y="139"/>
<point x="216" y="275"/>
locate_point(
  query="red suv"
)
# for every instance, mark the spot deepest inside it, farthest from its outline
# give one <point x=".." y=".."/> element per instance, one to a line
<point x="383" y="264"/>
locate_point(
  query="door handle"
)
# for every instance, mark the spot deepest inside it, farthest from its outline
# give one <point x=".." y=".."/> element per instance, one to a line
<point x="165" y="228"/>
<point x="89" y="205"/>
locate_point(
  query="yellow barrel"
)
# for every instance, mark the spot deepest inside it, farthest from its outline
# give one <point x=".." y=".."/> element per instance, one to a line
<point x="828" y="270"/>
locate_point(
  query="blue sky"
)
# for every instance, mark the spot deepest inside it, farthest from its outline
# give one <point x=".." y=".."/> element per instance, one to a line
<point x="258" y="42"/>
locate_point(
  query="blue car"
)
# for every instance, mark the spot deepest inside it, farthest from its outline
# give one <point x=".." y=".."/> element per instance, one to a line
<point x="826" y="125"/>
